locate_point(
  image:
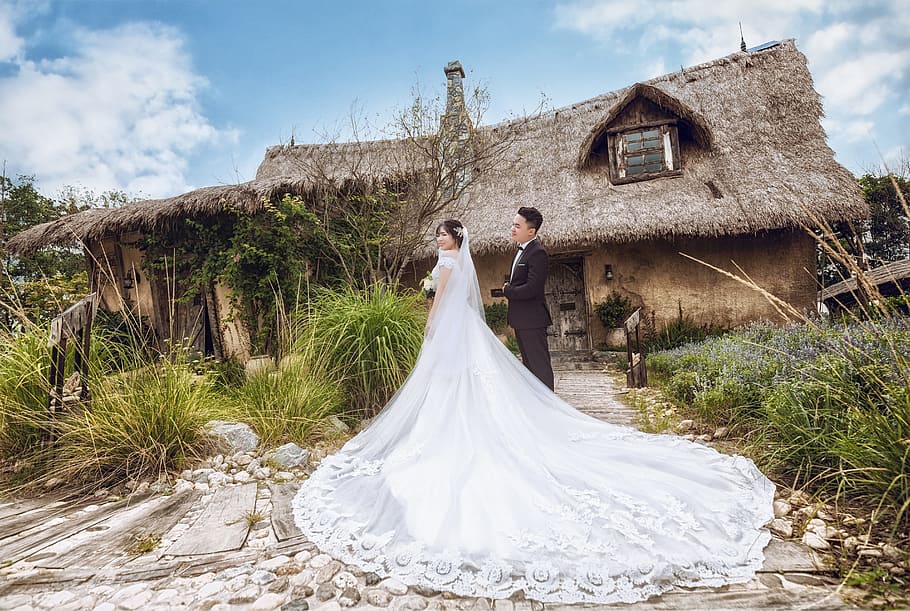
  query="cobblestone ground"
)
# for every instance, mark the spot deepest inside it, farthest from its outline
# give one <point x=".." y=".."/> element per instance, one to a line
<point x="267" y="574"/>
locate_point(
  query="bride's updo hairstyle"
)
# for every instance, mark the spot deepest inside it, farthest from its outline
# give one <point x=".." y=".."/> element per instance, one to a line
<point x="453" y="228"/>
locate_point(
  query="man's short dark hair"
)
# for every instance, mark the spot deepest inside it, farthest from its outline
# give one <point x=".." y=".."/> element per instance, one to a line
<point x="532" y="216"/>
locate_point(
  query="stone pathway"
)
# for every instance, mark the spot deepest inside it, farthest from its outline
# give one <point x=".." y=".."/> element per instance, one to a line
<point x="223" y="538"/>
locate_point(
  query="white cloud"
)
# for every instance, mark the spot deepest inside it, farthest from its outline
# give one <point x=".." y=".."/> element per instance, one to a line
<point x="120" y="110"/>
<point x="857" y="130"/>
<point x="10" y="43"/>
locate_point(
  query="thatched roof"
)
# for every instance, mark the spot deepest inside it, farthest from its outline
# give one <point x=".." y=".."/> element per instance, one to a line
<point x="758" y="162"/>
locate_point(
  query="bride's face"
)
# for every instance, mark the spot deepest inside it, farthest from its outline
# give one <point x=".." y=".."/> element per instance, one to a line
<point x="444" y="240"/>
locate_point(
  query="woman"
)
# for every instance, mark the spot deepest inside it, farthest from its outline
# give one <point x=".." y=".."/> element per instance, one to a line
<point x="477" y="479"/>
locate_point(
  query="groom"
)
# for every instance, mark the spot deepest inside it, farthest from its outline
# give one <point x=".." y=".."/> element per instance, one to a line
<point x="528" y="313"/>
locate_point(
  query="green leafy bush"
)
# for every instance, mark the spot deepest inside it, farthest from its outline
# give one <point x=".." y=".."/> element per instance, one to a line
<point x="614" y="310"/>
<point x="497" y="316"/>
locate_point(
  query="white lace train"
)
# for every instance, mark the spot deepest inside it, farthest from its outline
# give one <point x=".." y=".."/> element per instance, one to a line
<point x="476" y="479"/>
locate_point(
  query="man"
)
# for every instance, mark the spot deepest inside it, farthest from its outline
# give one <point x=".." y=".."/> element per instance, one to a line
<point x="528" y="313"/>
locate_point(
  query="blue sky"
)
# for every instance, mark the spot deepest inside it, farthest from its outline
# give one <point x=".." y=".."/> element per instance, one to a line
<point x="156" y="97"/>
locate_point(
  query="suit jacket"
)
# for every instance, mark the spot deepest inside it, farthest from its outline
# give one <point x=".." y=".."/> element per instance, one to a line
<point x="525" y="291"/>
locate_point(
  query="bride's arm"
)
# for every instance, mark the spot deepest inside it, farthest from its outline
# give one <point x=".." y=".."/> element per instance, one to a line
<point x="444" y="273"/>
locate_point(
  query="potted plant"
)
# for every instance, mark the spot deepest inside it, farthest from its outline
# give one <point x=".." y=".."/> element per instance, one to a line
<point x="612" y="311"/>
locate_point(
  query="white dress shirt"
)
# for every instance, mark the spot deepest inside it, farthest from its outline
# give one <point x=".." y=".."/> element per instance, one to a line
<point x="521" y="249"/>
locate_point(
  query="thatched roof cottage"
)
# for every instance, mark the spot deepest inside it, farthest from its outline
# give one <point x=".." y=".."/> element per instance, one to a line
<point x="725" y="162"/>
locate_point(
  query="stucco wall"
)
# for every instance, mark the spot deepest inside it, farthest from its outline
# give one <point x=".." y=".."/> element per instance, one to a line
<point x="655" y="276"/>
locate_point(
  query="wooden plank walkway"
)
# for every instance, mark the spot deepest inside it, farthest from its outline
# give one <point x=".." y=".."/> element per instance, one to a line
<point x="223" y="524"/>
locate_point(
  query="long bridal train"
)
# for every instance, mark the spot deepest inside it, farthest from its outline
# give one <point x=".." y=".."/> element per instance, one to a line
<point x="476" y="479"/>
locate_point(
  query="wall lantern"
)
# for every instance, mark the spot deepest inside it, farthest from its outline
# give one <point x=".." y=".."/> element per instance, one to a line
<point x="608" y="271"/>
<point x="131" y="279"/>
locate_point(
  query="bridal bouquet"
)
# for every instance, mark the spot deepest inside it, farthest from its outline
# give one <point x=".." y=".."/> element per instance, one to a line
<point x="429" y="285"/>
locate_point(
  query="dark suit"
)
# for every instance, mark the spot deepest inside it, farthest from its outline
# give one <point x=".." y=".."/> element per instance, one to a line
<point x="528" y="313"/>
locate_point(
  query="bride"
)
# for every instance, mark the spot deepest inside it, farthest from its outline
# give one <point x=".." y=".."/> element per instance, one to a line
<point x="477" y="479"/>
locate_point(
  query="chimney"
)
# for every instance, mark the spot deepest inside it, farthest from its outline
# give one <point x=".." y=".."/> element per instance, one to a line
<point x="455" y="130"/>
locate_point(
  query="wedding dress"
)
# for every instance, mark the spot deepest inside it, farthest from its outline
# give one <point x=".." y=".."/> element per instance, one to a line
<point x="477" y="479"/>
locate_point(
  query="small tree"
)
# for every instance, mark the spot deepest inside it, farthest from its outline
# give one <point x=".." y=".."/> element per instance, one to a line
<point x="378" y="198"/>
<point x="872" y="242"/>
<point x="35" y="287"/>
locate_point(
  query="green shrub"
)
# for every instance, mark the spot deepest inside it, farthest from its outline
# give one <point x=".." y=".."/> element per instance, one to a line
<point x="614" y="310"/>
<point x="367" y="339"/>
<point x="140" y="423"/>
<point x="24" y="389"/>
<point x="496" y="315"/>
<point x="290" y="403"/>
<point x="825" y="404"/>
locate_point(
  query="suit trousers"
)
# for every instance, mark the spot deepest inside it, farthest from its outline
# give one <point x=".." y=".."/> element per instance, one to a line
<point x="535" y="353"/>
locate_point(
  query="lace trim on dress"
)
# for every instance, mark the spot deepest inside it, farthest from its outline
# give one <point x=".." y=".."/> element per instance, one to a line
<point x="582" y="579"/>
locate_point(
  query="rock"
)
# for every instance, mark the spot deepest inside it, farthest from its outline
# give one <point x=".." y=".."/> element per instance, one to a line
<point x="685" y="425"/>
<point x="817" y="526"/>
<point x="706" y="437"/>
<point x="262" y="473"/>
<point x="284" y="476"/>
<point x="689" y="437"/>
<point x="781" y="508"/>
<point x="328" y="571"/>
<point x="393" y="586"/>
<point x="52" y="483"/>
<point x="279" y="585"/>
<point x="137" y="601"/>
<point x="425" y="591"/>
<point x="891" y="553"/>
<point x="260" y="577"/>
<point x="298" y="604"/>
<point x="338" y="424"/>
<point x="343" y="581"/>
<point x="242" y="477"/>
<point x="372" y="579"/>
<point x="267" y="602"/>
<point x="53" y="600"/>
<point x="303" y="556"/>
<point x="349" y="597"/>
<point x="142" y="488"/>
<point x="234" y="571"/>
<point x="232" y="437"/>
<point x="325" y="591"/>
<point x="320" y="561"/>
<point x="210" y="589"/>
<point x="721" y="432"/>
<point x="378" y="597"/>
<point x="244" y="597"/>
<point x="290" y="455"/>
<point x="815" y="541"/>
<point x="218" y="479"/>
<point x="416" y="603"/>
<point x="824" y="515"/>
<point x="782" y="528"/>
<point x="799" y="498"/>
<point x="272" y="564"/>
<point x="243" y="459"/>
<point x="870" y="552"/>
<point x="202" y="475"/>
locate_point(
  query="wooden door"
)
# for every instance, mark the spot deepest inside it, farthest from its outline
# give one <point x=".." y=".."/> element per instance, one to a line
<point x="565" y="293"/>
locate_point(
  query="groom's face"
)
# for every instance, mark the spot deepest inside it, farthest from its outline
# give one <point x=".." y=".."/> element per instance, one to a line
<point x="521" y="231"/>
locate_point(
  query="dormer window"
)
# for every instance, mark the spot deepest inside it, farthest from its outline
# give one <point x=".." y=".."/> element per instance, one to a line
<point x="645" y="152"/>
<point x="641" y="137"/>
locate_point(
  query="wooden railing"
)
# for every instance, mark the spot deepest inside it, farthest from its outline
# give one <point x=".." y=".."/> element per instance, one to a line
<point x="636" y="374"/>
<point x="74" y="323"/>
